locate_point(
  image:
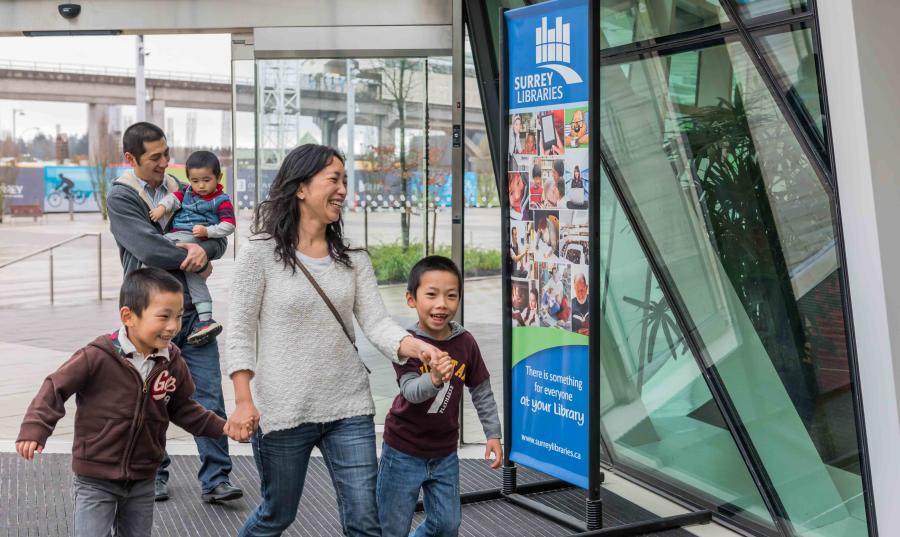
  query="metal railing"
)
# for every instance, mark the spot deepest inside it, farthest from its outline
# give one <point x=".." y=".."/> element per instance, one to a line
<point x="62" y="243"/>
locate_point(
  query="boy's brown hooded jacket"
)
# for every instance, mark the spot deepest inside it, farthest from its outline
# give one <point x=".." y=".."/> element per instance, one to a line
<point x="121" y="420"/>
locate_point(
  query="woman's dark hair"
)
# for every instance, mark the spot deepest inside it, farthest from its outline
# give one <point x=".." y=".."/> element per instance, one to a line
<point x="139" y="286"/>
<point x="203" y="159"/>
<point x="278" y="216"/>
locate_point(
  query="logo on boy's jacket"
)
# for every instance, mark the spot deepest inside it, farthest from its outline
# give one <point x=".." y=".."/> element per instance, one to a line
<point x="164" y="383"/>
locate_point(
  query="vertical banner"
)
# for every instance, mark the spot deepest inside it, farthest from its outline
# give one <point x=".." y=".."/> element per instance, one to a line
<point x="548" y="180"/>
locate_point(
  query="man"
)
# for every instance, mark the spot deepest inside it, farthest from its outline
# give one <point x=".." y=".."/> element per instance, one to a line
<point x="578" y="130"/>
<point x="141" y="243"/>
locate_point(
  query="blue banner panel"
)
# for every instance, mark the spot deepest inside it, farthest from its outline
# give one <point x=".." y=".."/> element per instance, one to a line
<point x="548" y="54"/>
<point x="550" y="413"/>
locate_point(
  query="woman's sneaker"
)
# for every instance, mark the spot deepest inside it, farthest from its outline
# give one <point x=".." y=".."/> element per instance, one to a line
<point x="204" y="332"/>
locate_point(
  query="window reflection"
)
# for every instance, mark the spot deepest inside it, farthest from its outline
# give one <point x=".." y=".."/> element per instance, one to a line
<point x="792" y="55"/>
<point x="656" y="408"/>
<point x="628" y="21"/>
<point x="743" y="227"/>
<point x="757" y="8"/>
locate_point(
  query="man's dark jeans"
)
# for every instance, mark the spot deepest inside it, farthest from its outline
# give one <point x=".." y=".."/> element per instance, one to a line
<point x="203" y="362"/>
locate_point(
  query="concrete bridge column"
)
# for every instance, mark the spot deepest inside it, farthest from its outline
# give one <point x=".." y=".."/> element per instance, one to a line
<point x="157" y="113"/>
<point x="98" y="129"/>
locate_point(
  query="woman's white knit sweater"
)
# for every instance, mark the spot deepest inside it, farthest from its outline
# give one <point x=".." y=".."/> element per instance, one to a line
<point x="306" y="370"/>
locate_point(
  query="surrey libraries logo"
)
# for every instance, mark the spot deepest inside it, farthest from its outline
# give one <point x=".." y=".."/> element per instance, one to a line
<point x="553" y="49"/>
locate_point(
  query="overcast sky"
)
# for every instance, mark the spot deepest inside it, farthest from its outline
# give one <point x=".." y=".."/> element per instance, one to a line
<point x="201" y="54"/>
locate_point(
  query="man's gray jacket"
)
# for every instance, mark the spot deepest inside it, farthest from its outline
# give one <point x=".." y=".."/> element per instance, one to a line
<point x="140" y="240"/>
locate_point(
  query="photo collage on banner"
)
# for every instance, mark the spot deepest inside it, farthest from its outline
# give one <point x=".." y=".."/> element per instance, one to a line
<point x="548" y="197"/>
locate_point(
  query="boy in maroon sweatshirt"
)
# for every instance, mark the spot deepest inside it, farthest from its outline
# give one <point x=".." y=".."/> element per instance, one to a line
<point x="421" y="430"/>
<point x="128" y="386"/>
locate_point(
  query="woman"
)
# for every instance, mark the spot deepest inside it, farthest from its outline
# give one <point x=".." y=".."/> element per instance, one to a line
<point x="576" y="191"/>
<point x="311" y="387"/>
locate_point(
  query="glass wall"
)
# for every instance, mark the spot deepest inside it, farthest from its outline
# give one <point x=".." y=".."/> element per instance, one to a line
<point x="656" y="408"/>
<point x="718" y="148"/>
<point x="391" y="117"/>
<point x="742" y="225"/>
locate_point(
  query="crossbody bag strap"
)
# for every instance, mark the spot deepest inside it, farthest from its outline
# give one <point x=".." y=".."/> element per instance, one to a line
<point x="334" y="311"/>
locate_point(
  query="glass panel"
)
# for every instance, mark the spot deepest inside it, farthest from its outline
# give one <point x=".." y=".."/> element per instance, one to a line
<point x="373" y="111"/>
<point x="483" y="304"/>
<point x="743" y="227"/>
<point x="793" y="56"/>
<point x="628" y="21"/>
<point x="656" y="408"/>
<point x="244" y="143"/>
<point x="756" y="8"/>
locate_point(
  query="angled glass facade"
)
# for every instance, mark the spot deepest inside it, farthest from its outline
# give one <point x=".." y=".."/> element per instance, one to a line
<point x="728" y="370"/>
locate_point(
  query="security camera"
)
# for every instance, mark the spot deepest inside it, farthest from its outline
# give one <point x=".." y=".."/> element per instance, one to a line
<point x="69" y="11"/>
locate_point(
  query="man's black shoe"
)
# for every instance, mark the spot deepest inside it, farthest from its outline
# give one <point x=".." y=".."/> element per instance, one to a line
<point x="222" y="493"/>
<point x="162" y="491"/>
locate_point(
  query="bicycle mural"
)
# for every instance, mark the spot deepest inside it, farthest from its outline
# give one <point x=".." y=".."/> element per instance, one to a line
<point x="64" y="182"/>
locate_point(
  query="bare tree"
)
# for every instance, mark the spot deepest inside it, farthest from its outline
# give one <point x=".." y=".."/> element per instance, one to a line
<point x="101" y="159"/>
<point x="400" y="80"/>
<point x="9" y="153"/>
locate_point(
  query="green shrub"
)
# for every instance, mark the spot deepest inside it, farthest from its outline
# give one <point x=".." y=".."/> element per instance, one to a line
<point x="392" y="263"/>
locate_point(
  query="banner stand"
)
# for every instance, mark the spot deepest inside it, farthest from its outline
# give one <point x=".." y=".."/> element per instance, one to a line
<point x="510" y="490"/>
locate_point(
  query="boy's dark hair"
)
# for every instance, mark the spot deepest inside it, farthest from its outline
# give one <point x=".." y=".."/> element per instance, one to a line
<point x="536" y="171"/>
<point x="140" y="284"/>
<point x="432" y="262"/>
<point x="203" y="159"/>
<point x="135" y="136"/>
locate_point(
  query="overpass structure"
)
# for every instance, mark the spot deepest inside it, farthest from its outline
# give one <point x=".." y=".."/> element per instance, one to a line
<point x="323" y="96"/>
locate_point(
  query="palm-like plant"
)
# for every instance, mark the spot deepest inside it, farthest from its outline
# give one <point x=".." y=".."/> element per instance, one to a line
<point x="740" y="194"/>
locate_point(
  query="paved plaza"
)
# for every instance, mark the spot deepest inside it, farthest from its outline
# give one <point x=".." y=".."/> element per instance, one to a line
<point x="35" y="338"/>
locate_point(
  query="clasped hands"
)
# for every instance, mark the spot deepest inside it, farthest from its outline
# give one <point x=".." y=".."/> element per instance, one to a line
<point x="441" y="369"/>
<point x="242" y="423"/>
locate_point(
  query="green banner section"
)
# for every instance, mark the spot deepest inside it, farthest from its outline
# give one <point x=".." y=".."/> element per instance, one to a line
<point x="528" y="340"/>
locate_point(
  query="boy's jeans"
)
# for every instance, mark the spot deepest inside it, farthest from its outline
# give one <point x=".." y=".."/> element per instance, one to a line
<point x="282" y="457"/>
<point x="196" y="283"/>
<point x="400" y="476"/>
<point x="101" y="504"/>
<point x="203" y="363"/>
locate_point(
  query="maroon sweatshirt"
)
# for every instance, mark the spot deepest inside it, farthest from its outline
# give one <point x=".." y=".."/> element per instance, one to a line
<point x="120" y="421"/>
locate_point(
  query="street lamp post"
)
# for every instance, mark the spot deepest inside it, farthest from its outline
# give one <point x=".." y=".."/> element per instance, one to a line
<point x="16" y="112"/>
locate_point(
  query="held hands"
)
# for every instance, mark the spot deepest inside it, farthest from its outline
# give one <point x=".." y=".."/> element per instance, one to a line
<point x="200" y="232"/>
<point x="441" y="370"/>
<point x="157" y="213"/>
<point x="493" y="446"/>
<point x="243" y="422"/>
<point x="27" y="449"/>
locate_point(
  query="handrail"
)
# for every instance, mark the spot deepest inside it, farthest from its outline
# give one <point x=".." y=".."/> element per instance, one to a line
<point x="62" y="243"/>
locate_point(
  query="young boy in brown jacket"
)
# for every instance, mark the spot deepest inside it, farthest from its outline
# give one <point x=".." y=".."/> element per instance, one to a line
<point x="128" y="386"/>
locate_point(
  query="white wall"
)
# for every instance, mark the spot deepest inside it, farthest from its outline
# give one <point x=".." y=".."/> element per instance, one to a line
<point x="862" y="71"/>
<point x="172" y="16"/>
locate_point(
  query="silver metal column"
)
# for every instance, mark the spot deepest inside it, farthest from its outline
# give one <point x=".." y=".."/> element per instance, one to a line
<point x="458" y="164"/>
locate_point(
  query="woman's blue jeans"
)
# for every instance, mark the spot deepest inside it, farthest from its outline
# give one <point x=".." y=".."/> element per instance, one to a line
<point x="282" y="457"/>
